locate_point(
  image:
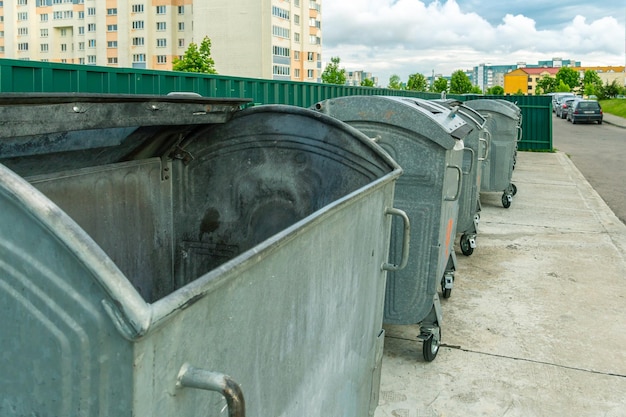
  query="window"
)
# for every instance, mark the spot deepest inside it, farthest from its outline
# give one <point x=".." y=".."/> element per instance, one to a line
<point x="181" y="26"/>
<point x="278" y="12"/>
<point x="138" y="24"/>
<point x="44" y="17"/>
<point x="91" y="27"/>
<point x="22" y="2"/>
<point x="160" y="10"/>
<point x="57" y="15"/>
<point x="139" y="58"/>
<point x="181" y="9"/>
<point x="112" y="44"/>
<point x="161" y="26"/>
<point x="68" y="14"/>
<point x="22" y="46"/>
<point x="81" y="14"/>
<point x="44" y="47"/>
<point x="137" y="8"/>
<point x="81" y="46"/>
<point x="296" y="3"/>
<point x="281" y="51"/>
<point x="310" y="56"/>
<point x="111" y="28"/>
<point x="92" y="43"/>
<point x="161" y="43"/>
<point x="91" y="11"/>
<point x="314" y="40"/>
<point x="138" y="41"/>
<point x="63" y="47"/>
<point x="22" y="16"/>
<point x="112" y="60"/>
<point x="81" y="30"/>
<point x="296" y="37"/>
<point x="91" y="59"/>
<point x="161" y="59"/>
<point x="280" y="70"/>
<point x="64" y="32"/>
<point x="22" y="31"/>
<point x="280" y="32"/>
<point x="296" y="55"/>
<point x="310" y="73"/>
<point x="296" y="72"/>
<point x="313" y="5"/>
<point x="296" y="19"/>
<point x="181" y="42"/>
<point x="112" y="12"/>
<point x="43" y="33"/>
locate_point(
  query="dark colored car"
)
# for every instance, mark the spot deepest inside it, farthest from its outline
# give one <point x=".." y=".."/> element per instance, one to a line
<point x="557" y="99"/>
<point x="565" y="106"/>
<point x="585" y="111"/>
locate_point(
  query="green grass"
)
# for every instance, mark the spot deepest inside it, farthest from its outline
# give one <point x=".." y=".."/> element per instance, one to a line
<point x="616" y="106"/>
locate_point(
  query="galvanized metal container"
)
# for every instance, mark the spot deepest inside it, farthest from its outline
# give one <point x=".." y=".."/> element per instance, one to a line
<point x="504" y="124"/>
<point x="425" y="138"/>
<point x="475" y="152"/>
<point x="150" y="246"/>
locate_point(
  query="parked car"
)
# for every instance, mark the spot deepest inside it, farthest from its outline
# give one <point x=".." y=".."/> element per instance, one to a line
<point x="585" y="111"/>
<point x="563" y="108"/>
<point x="558" y="97"/>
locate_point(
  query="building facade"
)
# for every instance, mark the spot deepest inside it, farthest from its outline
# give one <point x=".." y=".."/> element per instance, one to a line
<point x="271" y="39"/>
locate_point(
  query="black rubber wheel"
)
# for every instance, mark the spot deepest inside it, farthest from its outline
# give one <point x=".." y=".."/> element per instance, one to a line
<point x="506" y="203"/>
<point x="599" y="122"/>
<point x="430" y="348"/>
<point x="447" y="292"/>
<point x="514" y="188"/>
<point x="466" y="248"/>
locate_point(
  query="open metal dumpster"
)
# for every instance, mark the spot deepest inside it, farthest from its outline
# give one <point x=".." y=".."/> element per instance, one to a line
<point x="503" y="123"/>
<point x="426" y="139"/>
<point x="178" y="256"/>
<point x="475" y="152"/>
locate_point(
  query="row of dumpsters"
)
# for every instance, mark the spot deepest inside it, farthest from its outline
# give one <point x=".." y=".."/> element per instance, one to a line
<point x="188" y="256"/>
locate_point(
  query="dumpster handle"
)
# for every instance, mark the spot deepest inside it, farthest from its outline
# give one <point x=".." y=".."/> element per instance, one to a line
<point x="405" y="242"/>
<point x="487" y="141"/>
<point x="191" y="377"/>
<point x="458" y="185"/>
<point x="471" y="167"/>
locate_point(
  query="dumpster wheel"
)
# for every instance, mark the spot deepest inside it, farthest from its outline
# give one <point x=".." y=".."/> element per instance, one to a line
<point x="514" y="188"/>
<point x="506" y="200"/>
<point x="466" y="245"/>
<point x="430" y="347"/>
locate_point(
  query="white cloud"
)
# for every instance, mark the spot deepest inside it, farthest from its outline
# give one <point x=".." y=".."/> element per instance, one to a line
<point x="406" y="36"/>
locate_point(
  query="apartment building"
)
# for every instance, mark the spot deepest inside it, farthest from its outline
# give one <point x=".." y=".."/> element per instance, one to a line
<point x="271" y="39"/>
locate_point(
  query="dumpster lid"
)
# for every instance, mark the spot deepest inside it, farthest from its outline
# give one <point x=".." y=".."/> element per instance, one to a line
<point x="427" y="118"/>
<point x="28" y="114"/>
<point x="506" y="109"/>
<point x="469" y="113"/>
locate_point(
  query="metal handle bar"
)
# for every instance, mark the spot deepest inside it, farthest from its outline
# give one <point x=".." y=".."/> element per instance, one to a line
<point x="406" y="241"/>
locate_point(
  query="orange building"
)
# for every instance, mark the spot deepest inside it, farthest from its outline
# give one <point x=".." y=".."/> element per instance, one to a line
<point x="525" y="79"/>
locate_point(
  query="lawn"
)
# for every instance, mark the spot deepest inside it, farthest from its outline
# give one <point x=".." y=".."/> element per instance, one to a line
<point x="615" y="106"/>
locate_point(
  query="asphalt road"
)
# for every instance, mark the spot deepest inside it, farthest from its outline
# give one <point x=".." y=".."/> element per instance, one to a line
<point x="599" y="153"/>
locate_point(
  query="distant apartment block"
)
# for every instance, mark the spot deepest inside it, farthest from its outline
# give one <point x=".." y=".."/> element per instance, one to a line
<point x="271" y="39"/>
<point x="355" y="78"/>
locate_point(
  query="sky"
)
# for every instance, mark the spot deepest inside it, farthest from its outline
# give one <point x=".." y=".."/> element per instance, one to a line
<point x="403" y="37"/>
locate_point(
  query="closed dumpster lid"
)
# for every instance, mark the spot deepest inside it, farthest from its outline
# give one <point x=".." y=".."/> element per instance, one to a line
<point x="468" y="113"/>
<point x="426" y="118"/>
<point x="495" y="106"/>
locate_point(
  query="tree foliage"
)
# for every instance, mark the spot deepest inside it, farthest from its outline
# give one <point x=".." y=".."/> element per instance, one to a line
<point x="196" y="59"/>
<point x="394" y="82"/>
<point x="440" y="85"/>
<point x="496" y="90"/>
<point x="569" y="77"/>
<point x="460" y="83"/>
<point x="417" y="82"/>
<point x="547" y="84"/>
<point x="333" y="74"/>
<point x="591" y="83"/>
<point x="611" y="90"/>
<point x="367" y="82"/>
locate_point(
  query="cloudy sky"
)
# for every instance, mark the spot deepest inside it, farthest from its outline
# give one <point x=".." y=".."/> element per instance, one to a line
<point x="403" y="37"/>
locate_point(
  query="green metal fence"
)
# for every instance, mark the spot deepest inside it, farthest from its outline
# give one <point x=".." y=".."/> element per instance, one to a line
<point x="44" y="77"/>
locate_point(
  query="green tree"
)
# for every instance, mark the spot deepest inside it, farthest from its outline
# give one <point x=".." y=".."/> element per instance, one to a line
<point x="196" y="59"/>
<point x="367" y="83"/>
<point x="460" y="83"/>
<point x="476" y="90"/>
<point x="496" y="90"/>
<point x="547" y="84"/>
<point x="562" y="87"/>
<point x="394" y="82"/>
<point x="569" y="77"/>
<point x="591" y="83"/>
<point x="440" y="85"/>
<point x="609" y="90"/>
<point x="332" y="74"/>
<point x="417" y="82"/>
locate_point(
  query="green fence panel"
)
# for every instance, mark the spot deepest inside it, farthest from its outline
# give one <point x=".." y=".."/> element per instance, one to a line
<point x="33" y="76"/>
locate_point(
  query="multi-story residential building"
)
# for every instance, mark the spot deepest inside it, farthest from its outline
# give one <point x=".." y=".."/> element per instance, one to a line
<point x="355" y="78"/>
<point x="272" y="39"/>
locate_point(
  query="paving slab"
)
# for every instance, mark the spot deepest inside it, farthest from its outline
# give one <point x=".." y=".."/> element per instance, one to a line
<point x="536" y="322"/>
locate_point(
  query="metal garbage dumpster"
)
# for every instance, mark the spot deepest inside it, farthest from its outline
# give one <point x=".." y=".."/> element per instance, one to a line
<point x="425" y="138"/>
<point x="476" y="150"/>
<point x="503" y="123"/>
<point x="156" y="249"/>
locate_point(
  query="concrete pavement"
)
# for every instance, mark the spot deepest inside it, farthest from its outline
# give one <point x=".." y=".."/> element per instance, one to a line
<point x="536" y="325"/>
<point x="614" y="120"/>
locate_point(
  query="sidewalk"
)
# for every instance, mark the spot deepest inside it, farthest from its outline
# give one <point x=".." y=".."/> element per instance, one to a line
<point x="536" y="324"/>
<point x="614" y="120"/>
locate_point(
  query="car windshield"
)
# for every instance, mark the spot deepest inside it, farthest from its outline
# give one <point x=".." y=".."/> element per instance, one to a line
<point x="588" y="105"/>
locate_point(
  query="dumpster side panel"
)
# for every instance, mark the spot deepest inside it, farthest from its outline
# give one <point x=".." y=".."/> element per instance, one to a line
<point x="126" y="208"/>
<point x="297" y="325"/>
<point x="60" y="353"/>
